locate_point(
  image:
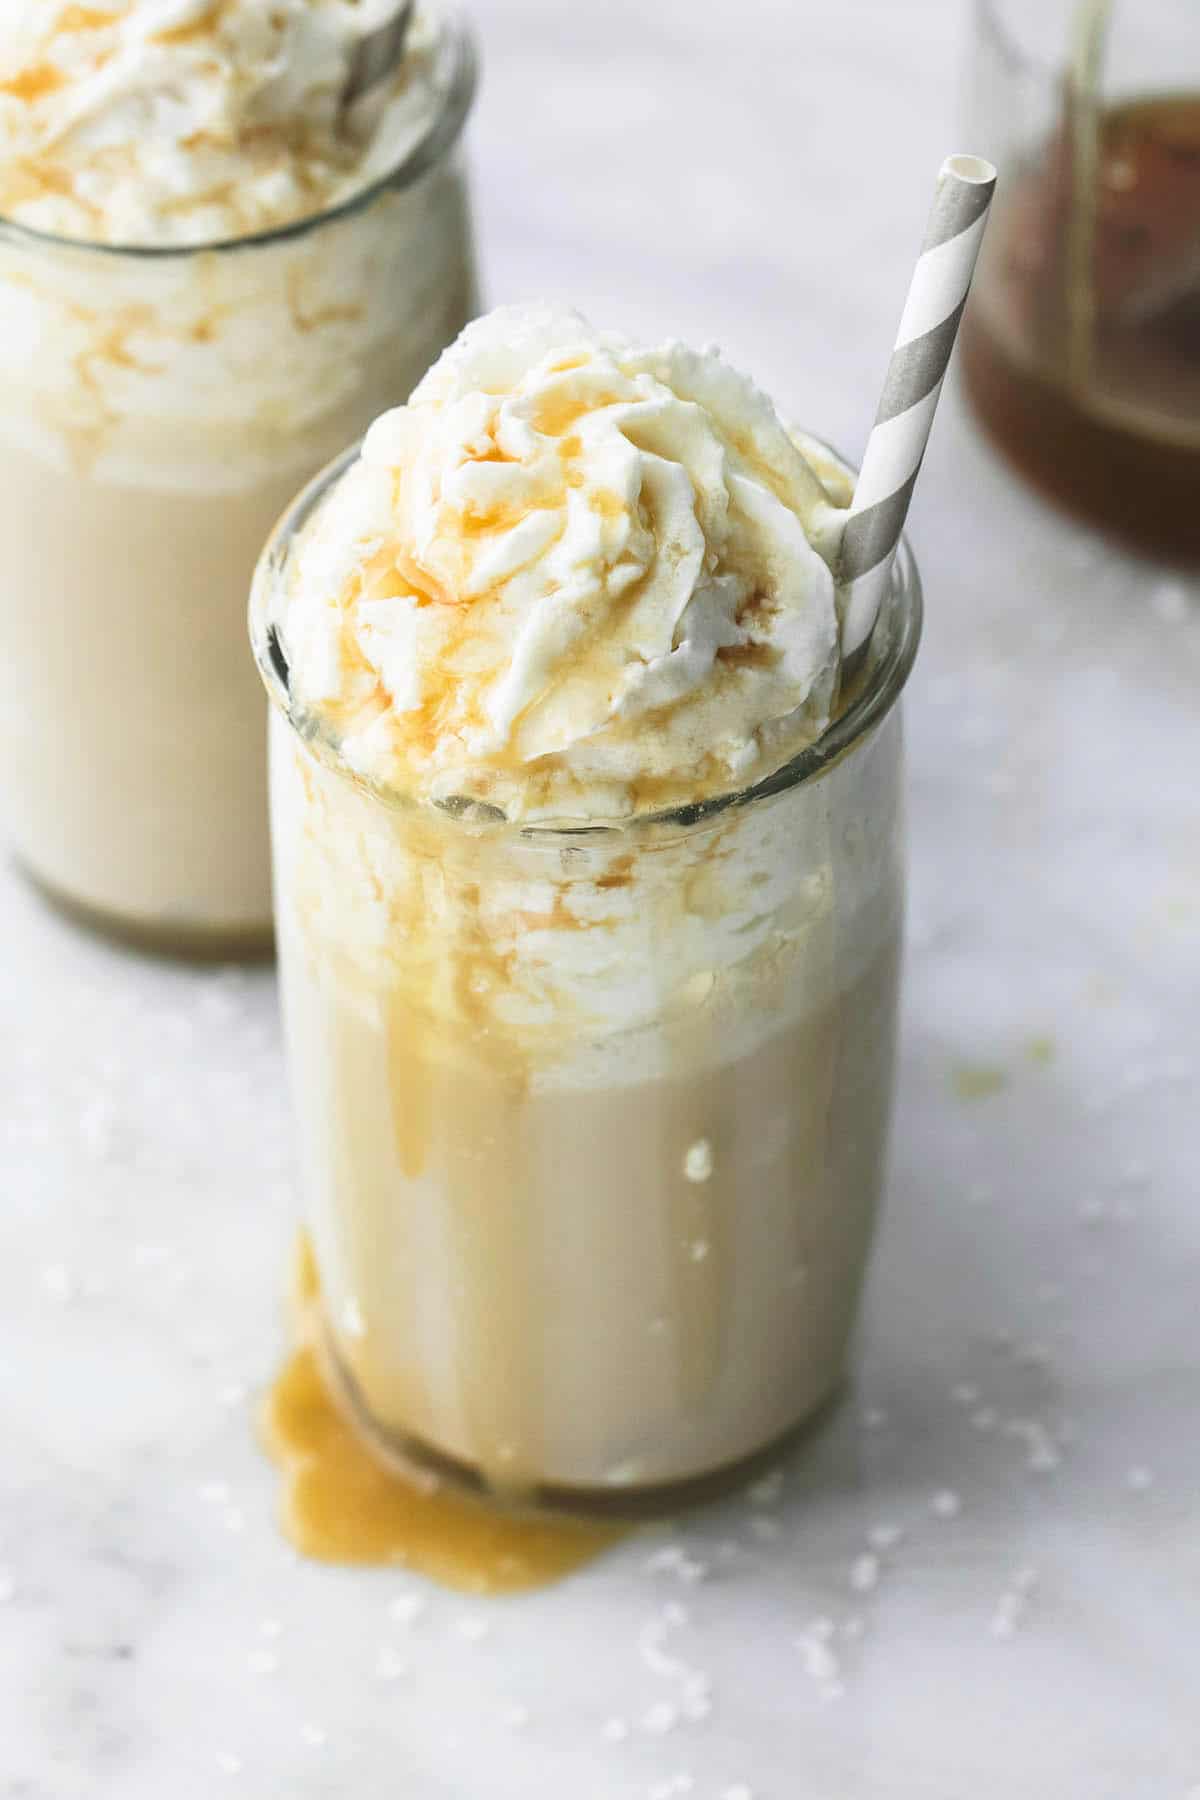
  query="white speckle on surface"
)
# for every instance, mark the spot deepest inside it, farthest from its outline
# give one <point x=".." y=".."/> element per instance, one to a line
<point x="406" y="1609"/>
<point x="314" y="1735"/>
<point x="1042" y="1454"/>
<point x="698" y="1162"/>
<point x="216" y="1493"/>
<point x="965" y="1393"/>
<point x="874" y="1418"/>
<point x="262" y="1662"/>
<point x="693" y="1688"/>
<point x="8" y="1587"/>
<point x="673" y="1559"/>
<point x="473" y="1628"/>
<point x="1139" y="1478"/>
<point x="679" y="1783"/>
<point x="697" y="1697"/>
<point x="1006" y="1616"/>
<point x="864" y="1573"/>
<point x="515" y="1716"/>
<point x="59" y="1283"/>
<point x="1013" y="1604"/>
<point x="389" y="1664"/>
<point x="698" y="1249"/>
<point x="738" y="1791"/>
<point x="885" y="1536"/>
<point x="820" y="1660"/>
<point x="985" y="1419"/>
<point x="615" y="1730"/>
<point x="946" y="1504"/>
<point x="1169" y="602"/>
<point x="653" y="1635"/>
<point x="660" y="1716"/>
<point x="98" y="1129"/>
<point x="227" y="1762"/>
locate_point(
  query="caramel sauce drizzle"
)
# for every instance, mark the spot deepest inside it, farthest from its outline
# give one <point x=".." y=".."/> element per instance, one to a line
<point x="342" y="1504"/>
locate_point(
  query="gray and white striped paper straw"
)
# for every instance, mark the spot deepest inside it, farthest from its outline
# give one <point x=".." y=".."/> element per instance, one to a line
<point x="928" y="328"/>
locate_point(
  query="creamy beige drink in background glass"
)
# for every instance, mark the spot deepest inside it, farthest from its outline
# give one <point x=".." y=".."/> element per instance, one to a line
<point x="210" y="278"/>
<point x="589" y="896"/>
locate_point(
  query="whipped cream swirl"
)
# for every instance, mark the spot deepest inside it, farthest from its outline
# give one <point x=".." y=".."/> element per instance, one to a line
<point x="189" y="121"/>
<point x="572" y="577"/>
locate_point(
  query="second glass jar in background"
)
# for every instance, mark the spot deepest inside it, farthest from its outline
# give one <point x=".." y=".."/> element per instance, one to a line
<point x="161" y="408"/>
<point x="1081" y="344"/>
<point x="591" y="1124"/>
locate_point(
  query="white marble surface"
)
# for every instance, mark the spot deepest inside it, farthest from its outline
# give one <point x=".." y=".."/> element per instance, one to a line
<point x="755" y="175"/>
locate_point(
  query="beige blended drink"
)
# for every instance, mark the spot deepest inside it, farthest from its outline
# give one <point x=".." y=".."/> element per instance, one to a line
<point x="589" y="891"/>
<point x="212" y="273"/>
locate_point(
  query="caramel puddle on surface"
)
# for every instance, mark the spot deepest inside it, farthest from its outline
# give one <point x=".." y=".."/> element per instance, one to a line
<point x="341" y="1504"/>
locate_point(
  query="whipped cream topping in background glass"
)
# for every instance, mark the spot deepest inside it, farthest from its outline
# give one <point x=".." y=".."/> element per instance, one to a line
<point x="574" y="576"/>
<point x="164" y="397"/>
<point x="591" y="1078"/>
<point x="189" y="121"/>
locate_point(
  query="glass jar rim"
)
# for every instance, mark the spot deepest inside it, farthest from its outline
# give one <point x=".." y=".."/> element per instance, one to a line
<point x="431" y="147"/>
<point x="894" y="646"/>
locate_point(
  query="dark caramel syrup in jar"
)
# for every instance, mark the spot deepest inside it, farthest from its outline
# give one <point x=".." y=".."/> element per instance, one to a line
<point x="1081" y="346"/>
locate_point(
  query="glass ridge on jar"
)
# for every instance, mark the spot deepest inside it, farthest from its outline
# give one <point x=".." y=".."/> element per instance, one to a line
<point x="591" y="1121"/>
<point x="162" y="405"/>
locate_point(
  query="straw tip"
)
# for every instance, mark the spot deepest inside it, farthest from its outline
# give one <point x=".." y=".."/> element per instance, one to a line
<point x="975" y="169"/>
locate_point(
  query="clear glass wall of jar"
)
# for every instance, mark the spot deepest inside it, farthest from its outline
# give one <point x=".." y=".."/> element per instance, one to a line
<point x="591" y="1123"/>
<point x="161" y="406"/>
